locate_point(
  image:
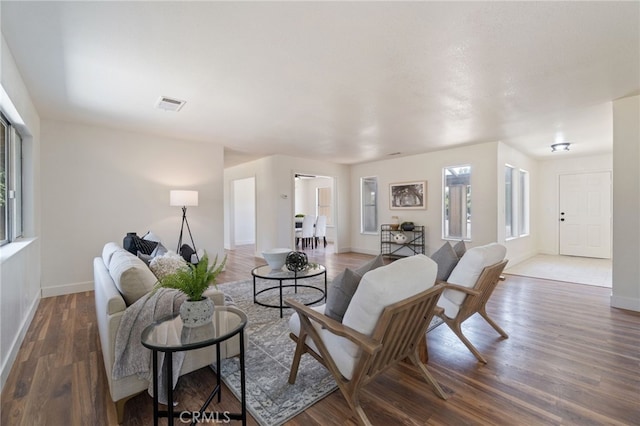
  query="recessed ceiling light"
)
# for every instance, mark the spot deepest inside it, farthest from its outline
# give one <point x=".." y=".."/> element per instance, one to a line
<point x="563" y="146"/>
<point x="169" y="104"/>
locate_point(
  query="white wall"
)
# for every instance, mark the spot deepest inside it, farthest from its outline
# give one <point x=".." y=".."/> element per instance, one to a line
<point x="20" y="261"/>
<point x="275" y="190"/>
<point x="626" y="203"/>
<point x="483" y="161"/>
<point x="100" y="183"/>
<point x="549" y="172"/>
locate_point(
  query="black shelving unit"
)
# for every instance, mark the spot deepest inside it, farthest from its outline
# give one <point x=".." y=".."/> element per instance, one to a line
<point x="390" y="247"/>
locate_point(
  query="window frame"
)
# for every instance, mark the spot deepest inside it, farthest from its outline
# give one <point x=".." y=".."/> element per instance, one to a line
<point x="517" y="193"/>
<point x="446" y="223"/>
<point x="371" y="207"/>
<point x="12" y="166"/>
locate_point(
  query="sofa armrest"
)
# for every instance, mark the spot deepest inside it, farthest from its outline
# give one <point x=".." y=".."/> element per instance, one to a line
<point x="216" y="296"/>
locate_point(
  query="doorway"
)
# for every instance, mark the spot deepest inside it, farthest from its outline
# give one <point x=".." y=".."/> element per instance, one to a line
<point x="585" y="215"/>
<point x="315" y="195"/>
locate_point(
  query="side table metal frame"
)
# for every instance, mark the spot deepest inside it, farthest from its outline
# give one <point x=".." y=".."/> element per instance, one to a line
<point x="217" y="390"/>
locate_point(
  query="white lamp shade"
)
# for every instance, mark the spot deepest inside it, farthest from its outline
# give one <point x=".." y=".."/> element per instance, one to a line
<point x="183" y="198"/>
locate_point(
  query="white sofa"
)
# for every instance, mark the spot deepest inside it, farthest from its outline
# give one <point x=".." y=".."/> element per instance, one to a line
<point x="118" y="264"/>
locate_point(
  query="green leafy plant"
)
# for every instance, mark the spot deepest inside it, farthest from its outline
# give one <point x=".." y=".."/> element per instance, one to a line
<point x="194" y="280"/>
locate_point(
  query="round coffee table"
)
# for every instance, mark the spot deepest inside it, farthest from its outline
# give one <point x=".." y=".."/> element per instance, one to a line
<point x="266" y="273"/>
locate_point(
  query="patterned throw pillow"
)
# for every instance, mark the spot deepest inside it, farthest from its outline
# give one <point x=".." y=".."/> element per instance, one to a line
<point x="166" y="264"/>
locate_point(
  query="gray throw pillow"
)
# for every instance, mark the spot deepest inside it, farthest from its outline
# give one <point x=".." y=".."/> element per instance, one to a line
<point x="374" y="263"/>
<point x="341" y="291"/>
<point x="460" y="248"/>
<point x="446" y="259"/>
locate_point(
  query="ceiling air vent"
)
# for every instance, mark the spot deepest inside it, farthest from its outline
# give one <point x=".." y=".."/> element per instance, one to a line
<point x="169" y="104"/>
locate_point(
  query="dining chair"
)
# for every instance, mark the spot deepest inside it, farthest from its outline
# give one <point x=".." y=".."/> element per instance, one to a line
<point x="304" y="235"/>
<point x="320" y="230"/>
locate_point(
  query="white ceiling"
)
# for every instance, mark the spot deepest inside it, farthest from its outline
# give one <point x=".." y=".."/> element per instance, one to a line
<point x="343" y="82"/>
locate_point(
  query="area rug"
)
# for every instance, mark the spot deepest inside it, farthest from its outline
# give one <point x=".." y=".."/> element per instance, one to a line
<point x="271" y="400"/>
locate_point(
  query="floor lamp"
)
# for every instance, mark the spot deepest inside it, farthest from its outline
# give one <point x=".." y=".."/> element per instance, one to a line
<point x="184" y="199"/>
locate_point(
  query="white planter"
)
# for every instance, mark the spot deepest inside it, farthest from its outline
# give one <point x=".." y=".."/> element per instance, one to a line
<point x="196" y="313"/>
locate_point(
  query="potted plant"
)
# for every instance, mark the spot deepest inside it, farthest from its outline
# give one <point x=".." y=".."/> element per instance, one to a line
<point x="193" y="280"/>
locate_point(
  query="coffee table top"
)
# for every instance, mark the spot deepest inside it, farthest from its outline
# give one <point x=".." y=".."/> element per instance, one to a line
<point x="168" y="333"/>
<point x="267" y="273"/>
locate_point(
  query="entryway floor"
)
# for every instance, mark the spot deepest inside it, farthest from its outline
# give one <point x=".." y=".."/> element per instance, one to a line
<point x="580" y="270"/>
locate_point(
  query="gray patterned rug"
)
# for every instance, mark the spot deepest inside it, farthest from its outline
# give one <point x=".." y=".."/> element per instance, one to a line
<point x="271" y="400"/>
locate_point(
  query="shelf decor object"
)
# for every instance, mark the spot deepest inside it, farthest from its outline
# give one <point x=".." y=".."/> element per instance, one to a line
<point x="395" y="243"/>
<point x="408" y="195"/>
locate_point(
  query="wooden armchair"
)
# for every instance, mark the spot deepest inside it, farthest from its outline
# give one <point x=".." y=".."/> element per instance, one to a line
<point x="474" y="302"/>
<point x="352" y="354"/>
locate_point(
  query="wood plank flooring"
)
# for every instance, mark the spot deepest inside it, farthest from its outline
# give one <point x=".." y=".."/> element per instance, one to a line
<point x="570" y="359"/>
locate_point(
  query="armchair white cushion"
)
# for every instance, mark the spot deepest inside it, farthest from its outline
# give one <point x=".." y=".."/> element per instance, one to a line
<point x="378" y="289"/>
<point x="467" y="272"/>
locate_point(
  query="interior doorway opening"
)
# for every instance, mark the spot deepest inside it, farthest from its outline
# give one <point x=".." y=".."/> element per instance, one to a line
<point x="314" y="196"/>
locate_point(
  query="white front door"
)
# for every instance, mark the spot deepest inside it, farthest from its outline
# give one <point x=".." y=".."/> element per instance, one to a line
<point x="585" y="214"/>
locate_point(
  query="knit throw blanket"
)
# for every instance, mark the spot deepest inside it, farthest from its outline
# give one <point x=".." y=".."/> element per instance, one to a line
<point x="133" y="358"/>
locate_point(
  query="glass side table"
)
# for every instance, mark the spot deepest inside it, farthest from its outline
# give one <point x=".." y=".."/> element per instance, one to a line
<point x="168" y="335"/>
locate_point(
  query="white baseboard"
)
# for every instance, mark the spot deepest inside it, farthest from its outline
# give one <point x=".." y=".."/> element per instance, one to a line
<point x="627" y="303"/>
<point x="60" y="290"/>
<point x="17" y="342"/>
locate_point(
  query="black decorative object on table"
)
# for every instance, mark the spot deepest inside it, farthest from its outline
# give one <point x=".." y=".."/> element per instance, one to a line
<point x="407" y="226"/>
<point x="296" y="261"/>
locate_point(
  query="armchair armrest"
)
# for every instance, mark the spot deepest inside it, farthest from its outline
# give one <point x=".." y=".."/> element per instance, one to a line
<point x="469" y="291"/>
<point x="368" y="344"/>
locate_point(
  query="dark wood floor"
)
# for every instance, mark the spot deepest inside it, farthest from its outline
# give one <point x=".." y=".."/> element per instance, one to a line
<point x="571" y="359"/>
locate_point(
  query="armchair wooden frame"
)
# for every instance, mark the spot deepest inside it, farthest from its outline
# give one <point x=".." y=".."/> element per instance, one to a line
<point x="396" y="337"/>
<point x="476" y="301"/>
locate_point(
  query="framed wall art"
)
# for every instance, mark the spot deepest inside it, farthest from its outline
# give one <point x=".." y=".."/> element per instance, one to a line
<point x="408" y="195"/>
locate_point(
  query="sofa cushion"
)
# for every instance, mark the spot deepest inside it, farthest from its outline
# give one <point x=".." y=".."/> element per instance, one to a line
<point x="107" y="252"/>
<point x="342" y="288"/>
<point x="446" y="259"/>
<point x="386" y="285"/>
<point x="131" y="276"/>
<point x="468" y="270"/>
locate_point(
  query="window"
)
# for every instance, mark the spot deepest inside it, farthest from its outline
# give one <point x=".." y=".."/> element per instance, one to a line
<point x="10" y="182"/>
<point x="456" y="215"/>
<point x="523" y="203"/>
<point x="509" y="199"/>
<point x="516" y="202"/>
<point x="323" y="204"/>
<point x="369" y="205"/>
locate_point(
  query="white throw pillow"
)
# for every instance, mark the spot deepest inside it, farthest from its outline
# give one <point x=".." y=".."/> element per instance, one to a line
<point x="131" y="276"/>
<point x="468" y="270"/>
<point x="386" y="285"/>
